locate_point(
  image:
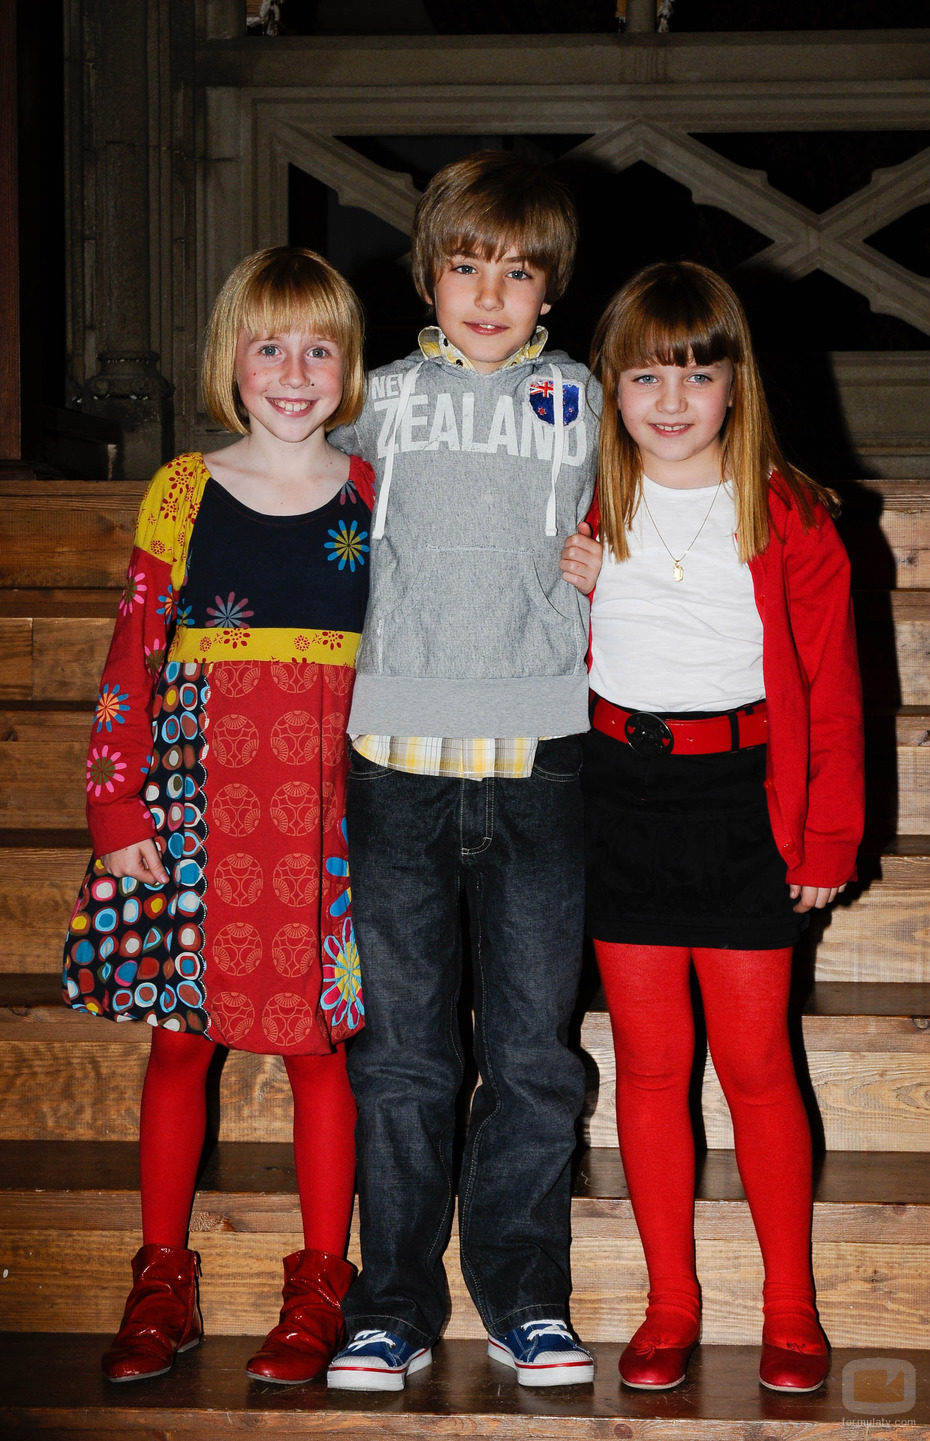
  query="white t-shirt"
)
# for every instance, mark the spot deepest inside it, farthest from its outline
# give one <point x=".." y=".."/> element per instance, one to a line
<point x="661" y="644"/>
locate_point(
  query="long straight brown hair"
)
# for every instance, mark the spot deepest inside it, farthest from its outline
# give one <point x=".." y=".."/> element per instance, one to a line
<point x="673" y="313"/>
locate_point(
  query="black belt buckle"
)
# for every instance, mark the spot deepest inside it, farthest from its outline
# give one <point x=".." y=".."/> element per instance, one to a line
<point x="648" y="734"/>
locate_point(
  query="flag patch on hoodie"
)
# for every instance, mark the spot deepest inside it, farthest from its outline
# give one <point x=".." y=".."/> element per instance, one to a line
<point x="542" y="400"/>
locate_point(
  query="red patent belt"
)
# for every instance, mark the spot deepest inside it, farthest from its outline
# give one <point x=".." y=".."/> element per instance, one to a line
<point x="708" y="735"/>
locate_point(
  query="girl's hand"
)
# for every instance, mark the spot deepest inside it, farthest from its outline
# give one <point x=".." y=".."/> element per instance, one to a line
<point x="813" y="898"/>
<point x="580" y="562"/>
<point x="142" y="861"/>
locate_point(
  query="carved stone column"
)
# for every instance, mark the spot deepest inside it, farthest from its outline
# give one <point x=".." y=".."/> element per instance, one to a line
<point x="117" y="368"/>
<point x="11" y="461"/>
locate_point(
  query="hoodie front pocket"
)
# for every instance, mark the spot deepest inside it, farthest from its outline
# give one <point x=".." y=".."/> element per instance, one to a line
<point x="479" y="614"/>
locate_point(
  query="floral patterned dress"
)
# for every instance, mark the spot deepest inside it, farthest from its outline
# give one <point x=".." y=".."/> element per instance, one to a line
<point x="220" y="732"/>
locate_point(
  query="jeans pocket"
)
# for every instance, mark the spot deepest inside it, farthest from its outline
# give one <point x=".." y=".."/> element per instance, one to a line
<point x="362" y="769"/>
<point x="558" y="759"/>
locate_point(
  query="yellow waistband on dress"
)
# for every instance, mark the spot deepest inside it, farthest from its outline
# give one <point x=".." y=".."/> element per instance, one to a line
<point x="224" y="643"/>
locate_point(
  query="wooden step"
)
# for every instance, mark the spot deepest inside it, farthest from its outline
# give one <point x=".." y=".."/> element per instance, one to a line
<point x="53" y="657"/>
<point x="66" y="533"/>
<point x="52" y="721"/>
<point x="885" y="525"/>
<point x="865" y="1075"/>
<point x="43" y="748"/>
<point x="868" y="1072"/>
<point x="898" y="772"/>
<point x="42" y="776"/>
<point x="894" y="641"/>
<point x="40" y="873"/>
<point x="60" y="655"/>
<point x="55" y="1389"/>
<point x="64" y="548"/>
<point x="879" y="931"/>
<point x="60" y="533"/>
<point x="63" y="1202"/>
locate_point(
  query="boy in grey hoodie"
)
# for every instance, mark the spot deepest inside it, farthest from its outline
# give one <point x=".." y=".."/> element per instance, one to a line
<point x="470" y="695"/>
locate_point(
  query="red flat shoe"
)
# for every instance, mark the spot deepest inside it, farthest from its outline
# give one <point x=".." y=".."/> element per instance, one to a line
<point x="645" y="1367"/>
<point x="782" y="1369"/>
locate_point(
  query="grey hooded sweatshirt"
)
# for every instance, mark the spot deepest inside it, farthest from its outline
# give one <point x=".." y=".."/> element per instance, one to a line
<point x="470" y="629"/>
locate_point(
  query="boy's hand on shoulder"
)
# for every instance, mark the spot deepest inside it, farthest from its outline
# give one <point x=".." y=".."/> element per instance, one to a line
<point x="581" y="558"/>
<point x="142" y="861"/>
<point x="813" y="898"/>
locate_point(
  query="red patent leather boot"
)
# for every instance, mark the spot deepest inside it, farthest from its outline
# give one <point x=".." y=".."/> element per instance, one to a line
<point x="311" y="1329"/>
<point x="162" y="1315"/>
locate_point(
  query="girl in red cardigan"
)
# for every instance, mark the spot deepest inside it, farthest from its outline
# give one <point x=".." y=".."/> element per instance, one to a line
<point x="723" y="781"/>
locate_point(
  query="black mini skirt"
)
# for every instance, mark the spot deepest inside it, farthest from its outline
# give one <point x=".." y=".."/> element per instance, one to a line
<point x="680" y="852"/>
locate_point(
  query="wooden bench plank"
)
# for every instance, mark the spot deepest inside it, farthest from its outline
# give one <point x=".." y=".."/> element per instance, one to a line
<point x="870" y="1075"/>
<point x="868" y="1293"/>
<point x="52" y="658"/>
<point x="38" y="889"/>
<point x="64" y="533"/>
<point x="881" y="933"/>
<point x="60" y="601"/>
<point x="894" y="647"/>
<point x="885" y="525"/>
<point x="252" y="1186"/>
<point x="42" y="783"/>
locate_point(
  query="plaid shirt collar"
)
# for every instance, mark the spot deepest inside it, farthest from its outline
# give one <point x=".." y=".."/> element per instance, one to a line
<point x="434" y="345"/>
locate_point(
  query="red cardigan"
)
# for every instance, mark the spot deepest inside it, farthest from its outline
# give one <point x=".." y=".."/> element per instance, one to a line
<point x="814" y="765"/>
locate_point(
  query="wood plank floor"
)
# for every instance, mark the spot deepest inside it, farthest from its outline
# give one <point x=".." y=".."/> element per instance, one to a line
<point x="53" y="1387"/>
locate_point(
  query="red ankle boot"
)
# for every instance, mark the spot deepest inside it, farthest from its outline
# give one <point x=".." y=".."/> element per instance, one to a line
<point x="162" y="1315"/>
<point x="311" y="1329"/>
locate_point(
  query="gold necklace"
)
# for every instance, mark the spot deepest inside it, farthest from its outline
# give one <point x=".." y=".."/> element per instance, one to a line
<point x="678" y="573"/>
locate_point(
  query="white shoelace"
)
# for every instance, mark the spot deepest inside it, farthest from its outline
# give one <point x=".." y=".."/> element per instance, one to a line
<point x="535" y="1329"/>
<point x="367" y="1338"/>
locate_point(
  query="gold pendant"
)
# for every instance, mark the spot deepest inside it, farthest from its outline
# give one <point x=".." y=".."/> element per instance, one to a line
<point x="678" y="572"/>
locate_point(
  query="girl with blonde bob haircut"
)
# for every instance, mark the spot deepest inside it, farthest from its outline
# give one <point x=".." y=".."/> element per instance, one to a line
<point x="245" y="597"/>
<point x="670" y="314"/>
<point x="270" y="293"/>
<point x="723" y="781"/>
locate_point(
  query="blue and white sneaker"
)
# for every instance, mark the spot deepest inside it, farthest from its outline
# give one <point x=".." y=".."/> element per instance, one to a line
<point x="543" y="1353"/>
<point x="375" y="1361"/>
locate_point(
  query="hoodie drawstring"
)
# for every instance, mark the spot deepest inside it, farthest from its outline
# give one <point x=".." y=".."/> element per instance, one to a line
<point x="558" y="444"/>
<point x="384" y="490"/>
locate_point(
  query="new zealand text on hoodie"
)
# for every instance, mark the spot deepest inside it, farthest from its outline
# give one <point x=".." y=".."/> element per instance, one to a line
<point x="471" y="630"/>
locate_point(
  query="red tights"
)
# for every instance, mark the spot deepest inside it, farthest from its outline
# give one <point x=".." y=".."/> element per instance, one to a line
<point x="745" y="995"/>
<point x="172" y="1127"/>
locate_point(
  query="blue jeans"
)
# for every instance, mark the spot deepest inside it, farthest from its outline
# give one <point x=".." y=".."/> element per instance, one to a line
<point x="516" y="849"/>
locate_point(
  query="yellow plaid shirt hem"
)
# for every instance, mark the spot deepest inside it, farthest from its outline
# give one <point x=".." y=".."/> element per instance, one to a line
<point x="508" y="758"/>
